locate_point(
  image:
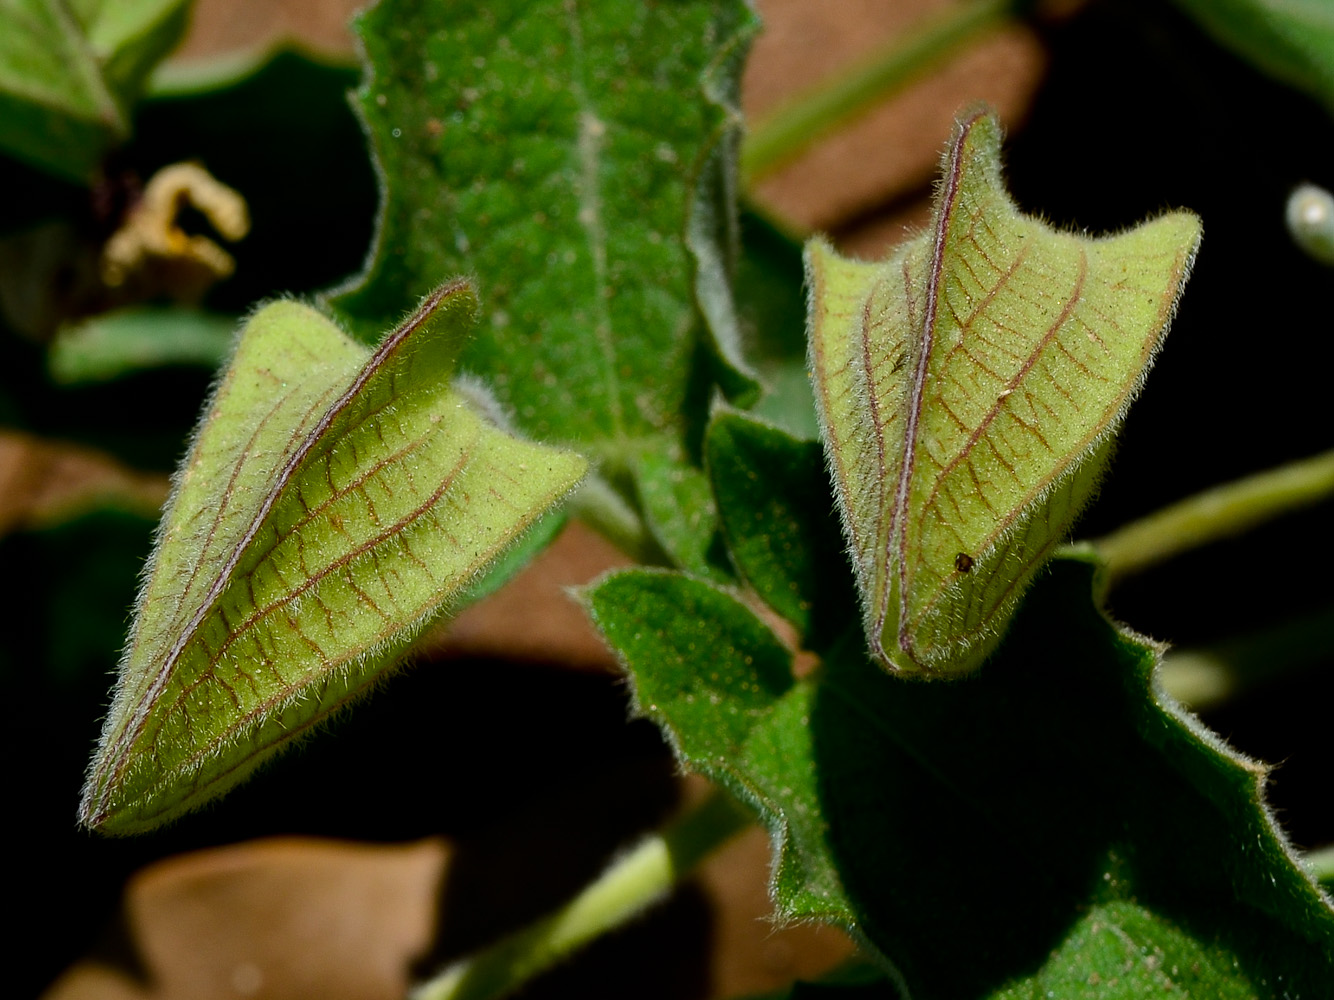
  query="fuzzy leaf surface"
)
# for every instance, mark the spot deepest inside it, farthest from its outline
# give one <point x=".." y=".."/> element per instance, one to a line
<point x="1053" y="823"/>
<point x="575" y="158"/>
<point x="334" y="501"/>
<point x="69" y="71"/>
<point x="968" y="388"/>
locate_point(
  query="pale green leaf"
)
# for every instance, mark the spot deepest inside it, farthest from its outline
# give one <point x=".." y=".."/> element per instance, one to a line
<point x="333" y="502"/>
<point x="109" y="345"/>
<point x="969" y="387"/>
<point x="70" y="71"/>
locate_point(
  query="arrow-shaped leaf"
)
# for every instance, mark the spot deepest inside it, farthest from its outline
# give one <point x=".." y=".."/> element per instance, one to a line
<point x="968" y="389"/>
<point x="332" y="503"/>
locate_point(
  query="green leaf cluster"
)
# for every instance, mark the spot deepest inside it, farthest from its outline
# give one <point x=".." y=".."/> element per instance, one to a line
<point x="1057" y="819"/>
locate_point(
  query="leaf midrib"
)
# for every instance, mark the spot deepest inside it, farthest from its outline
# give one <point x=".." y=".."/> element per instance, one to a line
<point x="591" y="132"/>
<point x="917" y="389"/>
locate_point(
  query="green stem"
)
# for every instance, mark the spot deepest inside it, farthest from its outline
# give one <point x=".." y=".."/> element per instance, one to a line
<point x="783" y="134"/>
<point x="641" y="877"/>
<point x="1216" y="514"/>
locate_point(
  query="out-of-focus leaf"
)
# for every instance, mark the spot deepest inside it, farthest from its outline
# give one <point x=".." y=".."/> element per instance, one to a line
<point x="70" y="71"/>
<point x="1055" y="819"/>
<point x="334" y="501"/>
<point x="1292" y="40"/>
<point x="104" y="347"/>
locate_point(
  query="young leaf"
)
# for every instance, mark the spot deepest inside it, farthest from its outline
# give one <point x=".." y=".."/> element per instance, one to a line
<point x="968" y="390"/>
<point x="1055" y="823"/>
<point x="332" y="503"/>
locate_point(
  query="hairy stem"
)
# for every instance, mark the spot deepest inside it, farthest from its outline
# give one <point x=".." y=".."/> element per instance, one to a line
<point x="785" y="133"/>
<point x="641" y="877"/>
<point x="1215" y="514"/>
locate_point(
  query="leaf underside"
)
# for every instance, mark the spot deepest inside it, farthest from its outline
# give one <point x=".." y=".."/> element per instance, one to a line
<point x="968" y="389"/>
<point x="333" y="501"/>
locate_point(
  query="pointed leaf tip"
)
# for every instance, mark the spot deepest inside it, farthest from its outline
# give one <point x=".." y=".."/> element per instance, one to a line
<point x="334" y="500"/>
<point x="968" y="389"/>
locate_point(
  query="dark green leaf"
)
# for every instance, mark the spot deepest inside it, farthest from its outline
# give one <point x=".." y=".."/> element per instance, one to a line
<point x="576" y="159"/>
<point x="1051" y="824"/>
<point x="771" y="300"/>
<point x="679" y="512"/>
<point x="720" y="683"/>
<point x="778" y="519"/>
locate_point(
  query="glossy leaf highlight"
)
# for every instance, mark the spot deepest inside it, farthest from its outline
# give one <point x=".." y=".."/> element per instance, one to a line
<point x="968" y="389"/>
<point x="333" y="502"/>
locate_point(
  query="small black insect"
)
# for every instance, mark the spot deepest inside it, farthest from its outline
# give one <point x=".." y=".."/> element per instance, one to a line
<point x="963" y="562"/>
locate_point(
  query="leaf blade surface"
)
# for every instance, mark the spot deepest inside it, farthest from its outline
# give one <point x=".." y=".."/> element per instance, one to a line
<point x="589" y="146"/>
